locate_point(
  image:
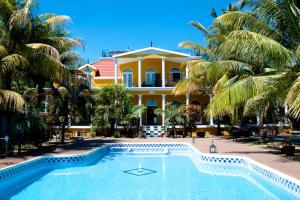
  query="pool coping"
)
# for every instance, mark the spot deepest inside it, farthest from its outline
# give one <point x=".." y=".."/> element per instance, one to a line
<point x="290" y="184"/>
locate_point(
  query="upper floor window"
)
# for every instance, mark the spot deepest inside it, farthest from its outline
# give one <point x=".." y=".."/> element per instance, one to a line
<point x="150" y="77"/>
<point x="175" y="74"/>
<point x="127" y="78"/>
<point x="88" y="71"/>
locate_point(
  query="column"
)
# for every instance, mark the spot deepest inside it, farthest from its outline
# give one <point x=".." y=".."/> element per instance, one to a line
<point x="211" y="119"/>
<point x="163" y="71"/>
<point x="139" y="72"/>
<point x="46" y="103"/>
<point x="116" y="71"/>
<point x="163" y="105"/>
<point x="187" y="71"/>
<point x="286" y="112"/>
<point x="140" y="109"/>
<point x="257" y="119"/>
<point x="187" y="99"/>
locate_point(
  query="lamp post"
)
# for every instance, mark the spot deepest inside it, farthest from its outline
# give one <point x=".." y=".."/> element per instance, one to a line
<point x="6" y="138"/>
<point x="212" y="147"/>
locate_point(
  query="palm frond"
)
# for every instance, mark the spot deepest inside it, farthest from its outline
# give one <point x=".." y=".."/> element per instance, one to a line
<point x="57" y="21"/>
<point x="244" y="21"/>
<point x="196" y="48"/>
<point x="293" y="99"/>
<point x="65" y="42"/>
<point x="3" y="51"/>
<point x="11" y="101"/>
<point x="220" y="84"/>
<point x="214" y="70"/>
<point x="230" y="98"/>
<point x="192" y="84"/>
<point x="256" y="49"/>
<point x="45" y="49"/>
<point x="200" y="27"/>
<point x="70" y="57"/>
<point x="13" y="62"/>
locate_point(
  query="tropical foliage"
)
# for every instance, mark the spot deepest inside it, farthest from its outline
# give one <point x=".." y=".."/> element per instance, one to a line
<point x="190" y="116"/>
<point x="251" y="61"/>
<point x="180" y="116"/>
<point x="36" y="51"/>
<point x="114" y="108"/>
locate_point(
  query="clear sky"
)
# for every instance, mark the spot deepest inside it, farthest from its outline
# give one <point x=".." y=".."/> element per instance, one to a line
<point x="119" y="24"/>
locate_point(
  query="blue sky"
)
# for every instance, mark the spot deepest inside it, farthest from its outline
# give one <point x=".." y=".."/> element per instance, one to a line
<point x="119" y="24"/>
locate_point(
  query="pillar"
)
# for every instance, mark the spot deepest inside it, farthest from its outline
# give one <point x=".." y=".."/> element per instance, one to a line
<point x="163" y="71"/>
<point x="187" y="71"/>
<point x="46" y="103"/>
<point x="187" y="99"/>
<point x="140" y="109"/>
<point x="139" y="72"/>
<point x="163" y="96"/>
<point x="286" y="112"/>
<point x="116" y="71"/>
<point x="257" y="119"/>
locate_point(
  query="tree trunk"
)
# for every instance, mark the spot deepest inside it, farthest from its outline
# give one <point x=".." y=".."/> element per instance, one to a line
<point x="261" y="127"/>
<point x="63" y="130"/>
<point x="3" y="124"/>
<point x="219" y="132"/>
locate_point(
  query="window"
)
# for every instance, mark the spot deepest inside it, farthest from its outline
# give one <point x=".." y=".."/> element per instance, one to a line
<point x="88" y="71"/>
<point x="127" y="78"/>
<point x="196" y="102"/>
<point x="150" y="77"/>
<point x="80" y="133"/>
<point x="151" y="103"/>
<point x="175" y="74"/>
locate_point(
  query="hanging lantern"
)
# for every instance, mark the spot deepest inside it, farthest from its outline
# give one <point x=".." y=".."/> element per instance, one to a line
<point x="212" y="148"/>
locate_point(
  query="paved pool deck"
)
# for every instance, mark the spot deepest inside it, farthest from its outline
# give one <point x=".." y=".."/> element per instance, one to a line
<point x="226" y="147"/>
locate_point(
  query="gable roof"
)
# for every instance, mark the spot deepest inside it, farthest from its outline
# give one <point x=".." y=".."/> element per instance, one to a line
<point x="151" y="51"/>
<point x="86" y="66"/>
<point x="105" y="67"/>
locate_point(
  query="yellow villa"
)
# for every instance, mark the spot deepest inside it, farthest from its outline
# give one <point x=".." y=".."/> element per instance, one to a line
<point x="150" y="74"/>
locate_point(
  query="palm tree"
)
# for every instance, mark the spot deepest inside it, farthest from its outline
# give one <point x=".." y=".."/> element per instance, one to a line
<point x="131" y="119"/>
<point x="172" y="116"/>
<point x="66" y="99"/>
<point x="250" y="58"/>
<point x="37" y="45"/>
<point x="113" y="102"/>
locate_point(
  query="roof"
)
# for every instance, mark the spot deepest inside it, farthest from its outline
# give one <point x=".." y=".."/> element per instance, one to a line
<point x="105" y="67"/>
<point x="149" y="51"/>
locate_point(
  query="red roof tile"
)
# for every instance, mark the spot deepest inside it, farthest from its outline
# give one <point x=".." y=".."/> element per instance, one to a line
<point x="105" y="67"/>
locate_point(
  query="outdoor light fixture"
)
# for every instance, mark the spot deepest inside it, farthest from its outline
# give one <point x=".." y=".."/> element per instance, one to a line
<point x="212" y="147"/>
<point x="6" y="138"/>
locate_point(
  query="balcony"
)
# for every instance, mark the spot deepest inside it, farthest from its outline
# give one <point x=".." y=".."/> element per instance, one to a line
<point x="154" y="84"/>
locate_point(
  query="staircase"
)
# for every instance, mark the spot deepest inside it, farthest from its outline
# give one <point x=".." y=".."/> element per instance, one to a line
<point x="153" y="131"/>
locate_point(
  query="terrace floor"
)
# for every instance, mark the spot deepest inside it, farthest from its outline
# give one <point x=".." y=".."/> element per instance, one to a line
<point x="257" y="153"/>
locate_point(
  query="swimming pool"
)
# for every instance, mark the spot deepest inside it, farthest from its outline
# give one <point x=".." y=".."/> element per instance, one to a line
<point x="145" y="171"/>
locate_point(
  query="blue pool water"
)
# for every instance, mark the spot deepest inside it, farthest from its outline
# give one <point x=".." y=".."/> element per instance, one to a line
<point x="156" y="177"/>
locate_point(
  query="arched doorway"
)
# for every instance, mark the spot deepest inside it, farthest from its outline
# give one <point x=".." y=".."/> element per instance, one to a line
<point x="151" y="117"/>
